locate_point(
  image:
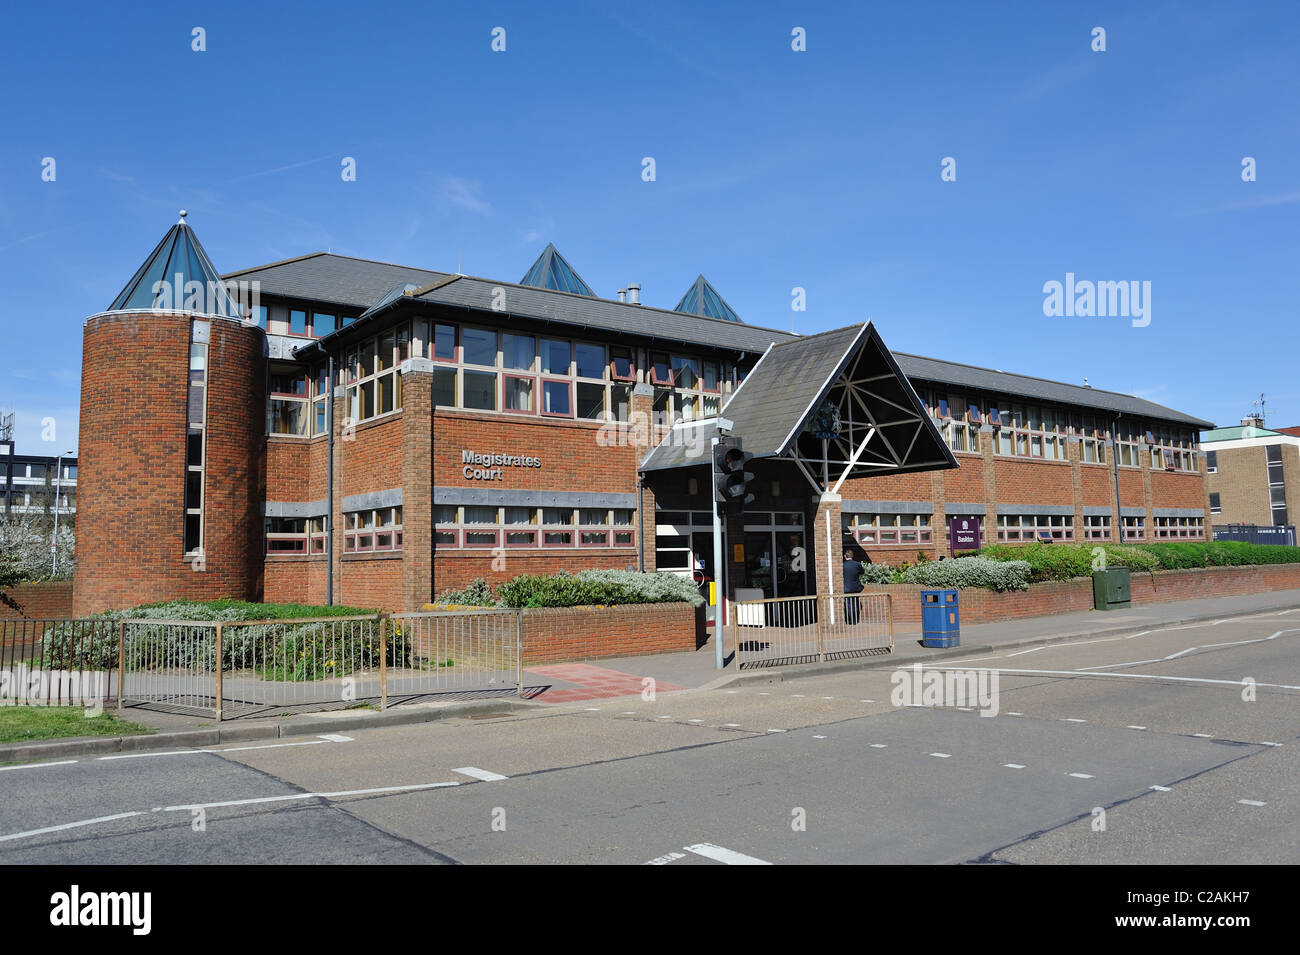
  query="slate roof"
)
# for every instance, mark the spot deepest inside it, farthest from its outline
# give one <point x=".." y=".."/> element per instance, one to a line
<point x="776" y="399"/>
<point x="986" y="379"/>
<point x="334" y="279"/>
<point x="359" y="283"/>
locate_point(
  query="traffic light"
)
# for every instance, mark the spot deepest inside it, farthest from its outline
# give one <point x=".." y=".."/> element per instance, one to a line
<point x="730" y="477"/>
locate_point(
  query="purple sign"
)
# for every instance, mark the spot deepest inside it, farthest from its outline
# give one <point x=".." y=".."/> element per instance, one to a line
<point x="964" y="533"/>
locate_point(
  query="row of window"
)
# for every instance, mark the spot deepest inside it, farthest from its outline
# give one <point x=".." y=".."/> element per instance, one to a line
<point x="377" y="530"/>
<point x="473" y="526"/>
<point x="911" y="529"/>
<point x="488" y="370"/>
<point x="879" y="529"/>
<point x="1033" y="431"/>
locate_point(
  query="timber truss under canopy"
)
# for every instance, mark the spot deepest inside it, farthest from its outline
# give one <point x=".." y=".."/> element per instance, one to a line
<point x="835" y="405"/>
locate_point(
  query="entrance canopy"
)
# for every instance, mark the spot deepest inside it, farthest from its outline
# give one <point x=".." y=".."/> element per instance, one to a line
<point x="836" y="405"/>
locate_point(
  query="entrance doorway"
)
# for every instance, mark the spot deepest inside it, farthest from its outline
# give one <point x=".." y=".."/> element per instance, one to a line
<point x="775" y="559"/>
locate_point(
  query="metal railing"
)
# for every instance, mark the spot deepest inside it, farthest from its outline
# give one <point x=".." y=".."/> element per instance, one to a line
<point x="226" y="670"/>
<point x="1283" y="534"/>
<point x="782" y="630"/>
<point x="58" y="662"/>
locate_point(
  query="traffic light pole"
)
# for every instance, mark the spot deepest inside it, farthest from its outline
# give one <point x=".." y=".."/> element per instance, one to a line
<point x="719" y="600"/>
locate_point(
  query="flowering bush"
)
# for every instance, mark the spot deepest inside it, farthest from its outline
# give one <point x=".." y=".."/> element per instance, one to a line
<point x="25" y="548"/>
<point x="970" y="572"/>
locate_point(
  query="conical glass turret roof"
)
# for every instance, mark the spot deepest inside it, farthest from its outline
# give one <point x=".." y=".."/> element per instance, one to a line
<point x="177" y="260"/>
<point x="703" y="299"/>
<point x="553" y="271"/>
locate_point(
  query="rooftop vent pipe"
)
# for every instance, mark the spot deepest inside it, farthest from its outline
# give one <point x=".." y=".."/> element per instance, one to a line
<point x="634" y="293"/>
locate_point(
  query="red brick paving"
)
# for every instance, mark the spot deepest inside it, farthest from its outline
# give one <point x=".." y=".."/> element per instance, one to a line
<point x="594" y="683"/>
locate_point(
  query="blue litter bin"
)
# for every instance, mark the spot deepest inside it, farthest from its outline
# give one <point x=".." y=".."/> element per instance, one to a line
<point x="940" y="619"/>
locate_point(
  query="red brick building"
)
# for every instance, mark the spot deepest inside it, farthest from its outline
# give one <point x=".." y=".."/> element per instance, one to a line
<point x="373" y="434"/>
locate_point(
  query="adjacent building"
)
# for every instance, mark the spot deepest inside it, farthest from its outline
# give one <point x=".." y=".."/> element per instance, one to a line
<point x="37" y="483"/>
<point x="374" y="434"/>
<point x="1252" y="474"/>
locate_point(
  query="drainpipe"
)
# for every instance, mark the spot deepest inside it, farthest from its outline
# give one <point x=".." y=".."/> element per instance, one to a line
<point x="1119" y="510"/>
<point x="329" y="515"/>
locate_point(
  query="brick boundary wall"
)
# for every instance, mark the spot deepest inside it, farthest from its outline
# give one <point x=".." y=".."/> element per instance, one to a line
<point x="1067" y="596"/>
<point x="554" y="634"/>
<point x="37" y="600"/>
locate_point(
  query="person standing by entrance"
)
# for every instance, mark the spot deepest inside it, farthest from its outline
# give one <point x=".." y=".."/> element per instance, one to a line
<point x="852" y="585"/>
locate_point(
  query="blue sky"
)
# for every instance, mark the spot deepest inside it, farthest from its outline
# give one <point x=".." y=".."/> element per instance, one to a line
<point x="774" y="168"/>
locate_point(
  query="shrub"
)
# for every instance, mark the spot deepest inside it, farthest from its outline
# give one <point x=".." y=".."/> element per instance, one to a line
<point x="877" y="574"/>
<point x="603" y="587"/>
<point x="1067" y="561"/>
<point x="477" y="594"/>
<point x="970" y="572"/>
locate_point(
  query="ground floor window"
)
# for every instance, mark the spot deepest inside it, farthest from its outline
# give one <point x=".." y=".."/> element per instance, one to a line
<point x="1135" y="528"/>
<point x="882" y="529"/>
<point x="488" y="526"/>
<point x="1040" y="527"/>
<point x="372" y="531"/>
<point x="1096" y="527"/>
<point x="295" y="535"/>
<point x="1171" y="527"/>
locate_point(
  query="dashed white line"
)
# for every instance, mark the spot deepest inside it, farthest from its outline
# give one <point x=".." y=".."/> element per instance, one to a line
<point x="1251" y="802"/>
<point x="1014" y="765"/>
<point x="726" y="856"/>
<point x="1015" y="714"/>
<point x="799" y="695"/>
<point x="591" y="709"/>
<point x="695" y="721"/>
<point x="67" y="825"/>
<point x="1267" y="743"/>
<point x="879" y="745"/>
<point x="336" y="738"/>
<point x="1135" y="727"/>
<point x="1162" y="789"/>
<point x="171" y="752"/>
<point x="476" y="773"/>
<point x="771" y="730"/>
<point x="1081" y="776"/>
<point x="866" y="701"/>
<point x="816" y="736"/>
<point x="731" y="725"/>
<point x="1073" y="719"/>
<point x="942" y="755"/>
<point x="69" y="762"/>
<point x="1203" y="735"/>
<point x="240" y="749"/>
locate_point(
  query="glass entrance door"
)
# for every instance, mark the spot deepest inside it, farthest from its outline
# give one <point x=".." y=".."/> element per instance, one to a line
<point x="775" y="559"/>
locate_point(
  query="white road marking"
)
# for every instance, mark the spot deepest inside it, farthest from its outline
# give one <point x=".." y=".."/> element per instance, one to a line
<point x="1135" y="727"/>
<point x="1081" y="776"/>
<point x="336" y="738"/>
<point x="1162" y="789"/>
<point x="695" y="721"/>
<point x="664" y="860"/>
<point x="942" y="755"/>
<point x="663" y="717"/>
<point x="591" y="709"/>
<point x="69" y="762"/>
<point x="1251" y="802"/>
<point x="67" y="825"/>
<point x="1015" y="714"/>
<point x="828" y="697"/>
<point x="866" y="701"/>
<point x="240" y="749"/>
<point x="476" y="773"/>
<point x="628" y="713"/>
<point x="726" y="856"/>
<point x="1267" y="743"/>
<point x="1203" y="735"/>
<point x="172" y="752"/>
<point x="1023" y="652"/>
<point x="800" y="695"/>
<point x="1073" y="719"/>
<point x="879" y="745"/>
<point x="1014" y="765"/>
<point x="1117" y="676"/>
<point x="731" y="725"/>
<point x="771" y="730"/>
<point x="815" y="736"/>
<point x="334" y="795"/>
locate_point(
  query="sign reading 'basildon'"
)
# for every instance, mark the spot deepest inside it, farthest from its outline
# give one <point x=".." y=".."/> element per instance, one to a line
<point x="491" y="467"/>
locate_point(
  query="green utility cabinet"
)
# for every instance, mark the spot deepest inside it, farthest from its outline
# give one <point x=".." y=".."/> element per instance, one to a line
<point x="1110" y="589"/>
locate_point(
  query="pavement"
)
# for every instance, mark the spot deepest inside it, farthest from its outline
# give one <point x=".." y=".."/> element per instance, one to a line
<point x="1174" y="743"/>
<point x="665" y="673"/>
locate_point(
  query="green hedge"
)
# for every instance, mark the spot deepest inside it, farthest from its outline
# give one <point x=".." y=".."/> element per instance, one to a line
<point x="1070" y="561"/>
<point x="605" y="587"/>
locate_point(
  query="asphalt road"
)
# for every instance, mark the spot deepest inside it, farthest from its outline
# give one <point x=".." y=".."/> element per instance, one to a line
<point x="1138" y="748"/>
